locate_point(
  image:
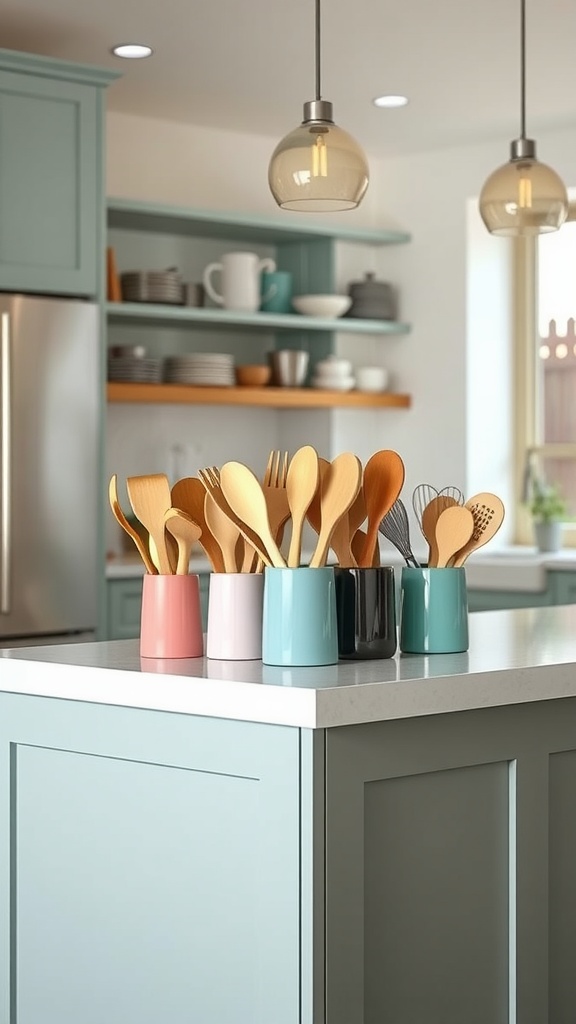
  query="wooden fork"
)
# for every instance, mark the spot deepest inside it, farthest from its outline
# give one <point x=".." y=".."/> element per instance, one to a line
<point x="274" y="488"/>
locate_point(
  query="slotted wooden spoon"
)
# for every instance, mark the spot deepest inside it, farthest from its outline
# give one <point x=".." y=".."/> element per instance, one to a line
<point x="121" y="518"/>
<point x="244" y="494"/>
<point x="383" y="481"/>
<point x="301" y="486"/>
<point x="454" y="527"/>
<point x="340" y="486"/>
<point x="188" y="494"/>
<point x="150" y="497"/>
<point x="185" y="532"/>
<point x="488" y="512"/>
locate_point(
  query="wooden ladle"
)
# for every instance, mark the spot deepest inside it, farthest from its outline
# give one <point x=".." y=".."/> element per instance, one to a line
<point x="121" y="518"/>
<point x="340" y="485"/>
<point x="383" y="481"/>
<point x="301" y="486"/>
<point x="186" y="532"/>
<point x="245" y="496"/>
<point x="188" y="494"/>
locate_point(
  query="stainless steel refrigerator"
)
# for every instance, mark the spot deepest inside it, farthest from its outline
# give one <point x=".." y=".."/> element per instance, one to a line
<point x="49" y="459"/>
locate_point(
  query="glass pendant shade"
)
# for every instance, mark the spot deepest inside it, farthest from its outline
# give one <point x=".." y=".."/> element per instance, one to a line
<point x="523" y="197"/>
<point x="318" y="168"/>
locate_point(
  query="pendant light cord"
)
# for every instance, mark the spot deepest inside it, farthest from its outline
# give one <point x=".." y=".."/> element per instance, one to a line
<point x="522" y="69"/>
<point x="318" y="93"/>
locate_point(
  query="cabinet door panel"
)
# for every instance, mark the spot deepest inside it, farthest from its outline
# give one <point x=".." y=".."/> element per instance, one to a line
<point x="154" y="867"/>
<point x="48" y="185"/>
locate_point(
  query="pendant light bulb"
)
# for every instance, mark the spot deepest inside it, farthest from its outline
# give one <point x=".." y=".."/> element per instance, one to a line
<point x="318" y="167"/>
<point x="523" y="197"/>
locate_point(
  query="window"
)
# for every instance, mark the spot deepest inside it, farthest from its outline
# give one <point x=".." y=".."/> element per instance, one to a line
<point x="546" y="365"/>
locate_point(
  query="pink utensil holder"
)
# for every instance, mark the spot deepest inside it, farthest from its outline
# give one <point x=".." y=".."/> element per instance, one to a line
<point x="171" y="619"/>
<point x="234" y="631"/>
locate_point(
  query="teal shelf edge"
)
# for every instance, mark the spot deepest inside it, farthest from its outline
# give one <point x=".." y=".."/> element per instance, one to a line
<point x="140" y="215"/>
<point x="54" y="67"/>
<point x="217" y="318"/>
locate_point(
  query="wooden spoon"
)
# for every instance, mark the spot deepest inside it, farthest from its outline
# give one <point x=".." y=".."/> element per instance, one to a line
<point x="121" y="518"/>
<point x="454" y="527"/>
<point x="488" y="512"/>
<point x="301" y="486"/>
<point x="186" y="532"/>
<point x="383" y="481"/>
<point x="224" y="530"/>
<point x="340" y="486"/>
<point x="430" y="515"/>
<point x="347" y="530"/>
<point x="244" y="494"/>
<point x="314" y="510"/>
<point x="188" y="494"/>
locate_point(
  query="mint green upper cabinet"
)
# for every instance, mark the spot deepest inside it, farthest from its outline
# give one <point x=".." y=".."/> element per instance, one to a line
<point x="51" y="174"/>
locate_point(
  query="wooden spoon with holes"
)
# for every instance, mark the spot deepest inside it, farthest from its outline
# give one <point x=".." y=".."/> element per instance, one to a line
<point x="488" y="512"/>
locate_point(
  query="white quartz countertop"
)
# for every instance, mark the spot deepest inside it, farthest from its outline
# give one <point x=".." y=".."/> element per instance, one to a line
<point x="514" y="657"/>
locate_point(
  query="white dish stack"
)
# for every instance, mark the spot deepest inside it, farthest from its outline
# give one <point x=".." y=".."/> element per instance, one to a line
<point x="208" y="369"/>
<point x="333" y="374"/>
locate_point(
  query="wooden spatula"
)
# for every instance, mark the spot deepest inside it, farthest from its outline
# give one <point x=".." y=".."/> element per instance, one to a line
<point x="301" y="487"/>
<point x="150" y="497"/>
<point x="186" y="532"/>
<point x="383" y="481"/>
<point x="488" y="512"/>
<point x="340" y="486"/>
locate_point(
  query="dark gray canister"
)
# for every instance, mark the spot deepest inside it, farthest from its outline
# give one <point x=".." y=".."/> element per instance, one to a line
<point x="373" y="299"/>
<point x="366" y="612"/>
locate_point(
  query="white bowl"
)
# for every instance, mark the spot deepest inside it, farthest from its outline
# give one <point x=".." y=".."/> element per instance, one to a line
<point x="322" y="305"/>
<point x="333" y="383"/>
<point x="371" y="378"/>
<point x="333" y="367"/>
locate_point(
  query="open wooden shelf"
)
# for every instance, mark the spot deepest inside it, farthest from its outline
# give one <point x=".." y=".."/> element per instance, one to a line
<point x="279" y="398"/>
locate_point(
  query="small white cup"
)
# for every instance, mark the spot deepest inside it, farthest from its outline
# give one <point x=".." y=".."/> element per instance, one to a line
<point x="234" y="628"/>
<point x="333" y="367"/>
<point x="371" y="378"/>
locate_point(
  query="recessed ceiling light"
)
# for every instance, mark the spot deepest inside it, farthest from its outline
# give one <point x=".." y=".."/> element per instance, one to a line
<point x="390" y="101"/>
<point x="132" y="51"/>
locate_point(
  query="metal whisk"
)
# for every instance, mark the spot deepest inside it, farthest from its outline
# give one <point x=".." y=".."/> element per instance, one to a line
<point x="396" y="529"/>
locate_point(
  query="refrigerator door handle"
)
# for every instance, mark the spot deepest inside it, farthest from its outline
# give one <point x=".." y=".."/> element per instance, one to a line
<point x="5" y="464"/>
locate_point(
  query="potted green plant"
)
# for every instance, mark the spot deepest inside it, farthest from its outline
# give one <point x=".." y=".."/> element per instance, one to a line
<point x="548" y="509"/>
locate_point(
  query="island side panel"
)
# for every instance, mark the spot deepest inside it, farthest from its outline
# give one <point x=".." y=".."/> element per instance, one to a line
<point x="152" y="870"/>
<point x="440" y="832"/>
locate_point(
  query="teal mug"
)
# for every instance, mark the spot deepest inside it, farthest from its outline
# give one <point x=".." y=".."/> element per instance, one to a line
<point x="433" y="611"/>
<point x="299" y="619"/>
<point x="276" y="292"/>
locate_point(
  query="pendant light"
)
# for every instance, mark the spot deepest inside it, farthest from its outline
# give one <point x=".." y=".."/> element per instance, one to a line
<point x="318" y="167"/>
<point x="524" y="197"/>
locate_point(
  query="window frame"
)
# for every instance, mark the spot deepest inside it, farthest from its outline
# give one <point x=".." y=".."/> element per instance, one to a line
<point x="527" y="400"/>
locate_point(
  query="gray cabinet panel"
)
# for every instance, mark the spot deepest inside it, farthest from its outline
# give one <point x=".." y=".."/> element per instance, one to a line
<point x="154" y="867"/>
<point x="562" y="887"/>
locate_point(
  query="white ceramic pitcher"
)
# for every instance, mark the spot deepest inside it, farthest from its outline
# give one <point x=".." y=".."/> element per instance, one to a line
<point x="240" y="272"/>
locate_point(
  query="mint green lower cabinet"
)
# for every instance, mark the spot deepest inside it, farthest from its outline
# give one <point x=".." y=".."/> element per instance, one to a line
<point x="150" y="867"/>
<point x="563" y="587"/>
<point x="495" y="600"/>
<point x="451" y="868"/>
<point x="163" y="867"/>
<point x="124" y="603"/>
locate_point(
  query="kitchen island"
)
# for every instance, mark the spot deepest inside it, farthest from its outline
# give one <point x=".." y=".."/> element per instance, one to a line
<point x="388" y="842"/>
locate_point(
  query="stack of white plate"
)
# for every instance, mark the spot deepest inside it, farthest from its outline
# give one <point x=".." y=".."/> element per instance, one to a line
<point x="214" y="369"/>
<point x="135" y="370"/>
<point x="163" y="286"/>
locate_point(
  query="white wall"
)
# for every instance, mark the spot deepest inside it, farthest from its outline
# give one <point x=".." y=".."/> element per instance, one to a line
<point x="455" y="362"/>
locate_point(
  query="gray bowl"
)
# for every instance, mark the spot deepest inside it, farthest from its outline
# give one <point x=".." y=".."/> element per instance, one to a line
<point x="289" y="367"/>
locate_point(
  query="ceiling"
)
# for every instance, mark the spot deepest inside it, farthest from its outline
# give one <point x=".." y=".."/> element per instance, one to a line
<point x="248" y="65"/>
